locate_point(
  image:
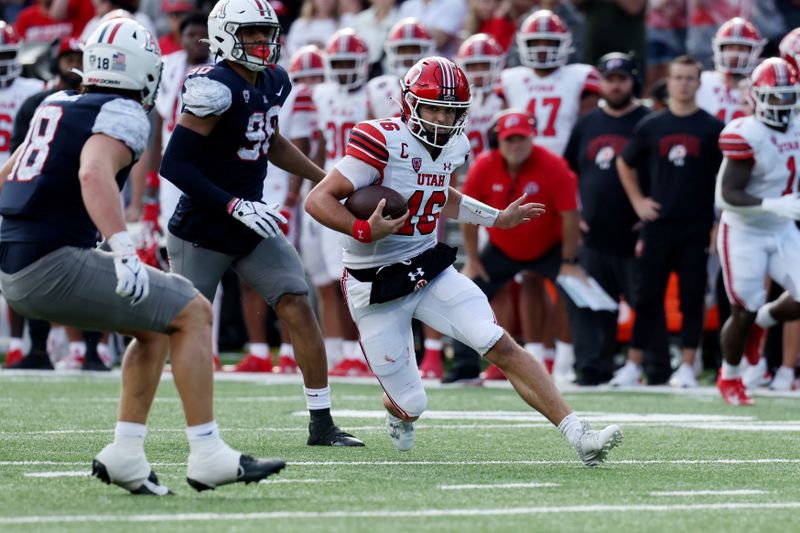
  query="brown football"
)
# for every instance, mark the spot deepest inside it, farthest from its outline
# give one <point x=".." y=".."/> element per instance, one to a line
<point x="362" y="202"/>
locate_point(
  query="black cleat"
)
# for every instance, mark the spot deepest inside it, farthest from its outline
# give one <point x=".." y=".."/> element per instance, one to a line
<point x="33" y="362"/>
<point x="151" y="486"/>
<point x="331" y="436"/>
<point x="251" y="470"/>
<point x="93" y="363"/>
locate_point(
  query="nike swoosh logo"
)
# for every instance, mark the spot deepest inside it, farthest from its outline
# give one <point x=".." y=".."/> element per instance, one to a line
<point x="280" y="91"/>
<point x="206" y="434"/>
<point x="313" y="395"/>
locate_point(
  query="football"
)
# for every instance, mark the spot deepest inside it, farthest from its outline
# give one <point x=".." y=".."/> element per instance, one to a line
<point x="362" y="203"/>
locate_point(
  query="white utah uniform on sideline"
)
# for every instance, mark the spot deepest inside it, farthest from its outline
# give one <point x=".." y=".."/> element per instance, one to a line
<point x="11" y="99"/>
<point x="716" y="98"/>
<point x="555" y="100"/>
<point x="484" y="107"/>
<point x="338" y="111"/>
<point x="385" y="152"/>
<point x="753" y="245"/>
<point x="383" y="96"/>
<point x="168" y="106"/>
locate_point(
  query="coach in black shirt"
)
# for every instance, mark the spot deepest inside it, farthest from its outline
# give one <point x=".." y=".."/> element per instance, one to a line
<point x="678" y="148"/>
<point x="610" y="224"/>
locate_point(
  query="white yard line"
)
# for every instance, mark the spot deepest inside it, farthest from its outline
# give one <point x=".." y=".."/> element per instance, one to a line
<point x="63" y="473"/>
<point x="500" y="486"/>
<point x="383" y="513"/>
<point x="736" y="492"/>
<point x="653" y="462"/>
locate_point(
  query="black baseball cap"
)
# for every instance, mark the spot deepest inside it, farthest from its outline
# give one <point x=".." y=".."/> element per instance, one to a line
<point x="618" y="63"/>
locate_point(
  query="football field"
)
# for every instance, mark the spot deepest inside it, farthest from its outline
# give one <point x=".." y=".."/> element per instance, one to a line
<point x="482" y="461"/>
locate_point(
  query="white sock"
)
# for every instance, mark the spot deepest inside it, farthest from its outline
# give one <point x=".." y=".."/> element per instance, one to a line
<point x="259" y="349"/>
<point x="785" y="370"/>
<point x="536" y="349"/>
<point x="333" y="350"/>
<point x="204" y="438"/>
<point x="764" y="318"/>
<point x="729" y="371"/>
<point x="130" y="435"/>
<point x="318" y="398"/>
<point x="16" y="343"/>
<point x="564" y="350"/>
<point x="571" y="428"/>
<point x="433" y="344"/>
<point x="550" y="353"/>
<point x="287" y="350"/>
<point x="102" y="349"/>
<point x="77" y="347"/>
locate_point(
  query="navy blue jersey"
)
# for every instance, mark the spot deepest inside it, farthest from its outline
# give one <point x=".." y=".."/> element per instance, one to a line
<point x="41" y="200"/>
<point x="235" y="155"/>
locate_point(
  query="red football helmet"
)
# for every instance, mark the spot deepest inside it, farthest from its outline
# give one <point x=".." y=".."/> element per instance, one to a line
<point x="775" y="90"/>
<point x="790" y="48"/>
<point x="481" y="59"/>
<point x="347" y="59"/>
<point x="408" y="42"/>
<point x="544" y="25"/>
<point x="306" y="63"/>
<point x="438" y="82"/>
<point x="10" y="66"/>
<point x="740" y="33"/>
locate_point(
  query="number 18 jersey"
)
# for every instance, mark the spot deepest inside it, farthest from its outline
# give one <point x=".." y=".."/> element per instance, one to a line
<point x="384" y="152"/>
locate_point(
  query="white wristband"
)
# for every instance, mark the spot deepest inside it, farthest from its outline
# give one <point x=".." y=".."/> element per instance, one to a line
<point x="121" y="244"/>
<point x="472" y="211"/>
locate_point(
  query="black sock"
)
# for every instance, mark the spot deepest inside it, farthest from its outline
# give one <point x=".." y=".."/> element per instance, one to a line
<point x="38" y="330"/>
<point x="321" y="417"/>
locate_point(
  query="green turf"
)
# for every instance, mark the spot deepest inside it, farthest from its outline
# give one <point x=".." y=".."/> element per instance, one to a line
<point x="32" y="408"/>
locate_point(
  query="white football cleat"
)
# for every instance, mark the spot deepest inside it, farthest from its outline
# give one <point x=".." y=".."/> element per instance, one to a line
<point x="630" y="375"/>
<point x="72" y="361"/>
<point x="593" y="446"/>
<point x="225" y="465"/>
<point x="683" y="377"/>
<point x="401" y="432"/>
<point x="783" y="380"/>
<point x="757" y="375"/>
<point x="130" y="471"/>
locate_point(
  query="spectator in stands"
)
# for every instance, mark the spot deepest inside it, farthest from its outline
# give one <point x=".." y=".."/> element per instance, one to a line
<point x="678" y="147"/>
<point x="120" y="8"/>
<point x="613" y="25"/>
<point x="176" y="11"/>
<point x="443" y="18"/>
<point x="34" y="24"/>
<point x="704" y="17"/>
<point x="490" y="17"/>
<point x="665" y="23"/>
<point x="548" y="246"/>
<point x="319" y="19"/>
<point x="610" y="225"/>
<point x="77" y="12"/>
<point x="373" y="25"/>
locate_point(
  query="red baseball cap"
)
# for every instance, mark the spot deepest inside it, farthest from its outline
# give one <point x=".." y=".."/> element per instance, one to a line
<point x="177" y="6"/>
<point x="70" y="46"/>
<point x="515" y="123"/>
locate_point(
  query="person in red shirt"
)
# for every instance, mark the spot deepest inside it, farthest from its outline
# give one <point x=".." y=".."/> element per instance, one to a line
<point x="74" y="12"/>
<point x="549" y="246"/>
<point x="175" y="10"/>
<point x="35" y="25"/>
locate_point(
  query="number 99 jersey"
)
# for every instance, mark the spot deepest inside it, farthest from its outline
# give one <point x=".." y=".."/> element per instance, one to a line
<point x="384" y="152"/>
<point x="236" y="152"/>
<point x="41" y="200"/>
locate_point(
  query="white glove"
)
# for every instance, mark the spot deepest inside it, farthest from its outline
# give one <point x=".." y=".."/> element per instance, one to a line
<point x="784" y="206"/>
<point x="262" y="218"/>
<point x="132" y="279"/>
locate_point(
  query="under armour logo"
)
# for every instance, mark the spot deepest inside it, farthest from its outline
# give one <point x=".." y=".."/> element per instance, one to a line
<point x="361" y="235"/>
<point x="448" y="167"/>
<point x="413" y="275"/>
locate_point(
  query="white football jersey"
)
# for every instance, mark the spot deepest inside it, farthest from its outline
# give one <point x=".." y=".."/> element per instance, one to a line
<point x="776" y="158"/>
<point x="338" y="111"/>
<point x="385" y="152"/>
<point x="297" y="119"/>
<point x="11" y="99"/>
<point x="555" y="100"/>
<point x="168" y="99"/>
<point x="717" y="99"/>
<point x="384" y="96"/>
<point x="484" y="107"/>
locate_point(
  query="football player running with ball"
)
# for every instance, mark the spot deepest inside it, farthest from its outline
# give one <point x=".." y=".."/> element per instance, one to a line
<point x="396" y="271"/>
<point x="62" y="187"/>
<point x="218" y="153"/>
